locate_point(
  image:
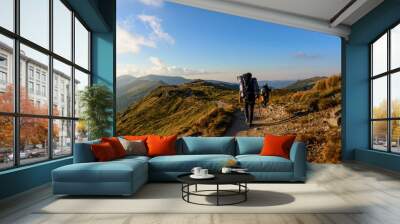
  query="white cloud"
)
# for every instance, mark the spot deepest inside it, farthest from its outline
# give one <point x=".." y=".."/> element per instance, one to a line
<point x="128" y="42"/>
<point x="156" y="62"/>
<point x="157" y="67"/>
<point x="161" y="68"/>
<point x="155" y="25"/>
<point x="152" y="2"/>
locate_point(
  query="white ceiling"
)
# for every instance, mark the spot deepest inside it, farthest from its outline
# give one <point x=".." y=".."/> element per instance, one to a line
<point x="321" y="9"/>
<point x="316" y="15"/>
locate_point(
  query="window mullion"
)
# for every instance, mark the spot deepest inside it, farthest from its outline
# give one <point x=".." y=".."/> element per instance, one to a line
<point x="73" y="81"/>
<point x="50" y="81"/>
<point x="89" y="55"/>
<point x="16" y="69"/>
<point x="371" y="140"/>
<point x="372" y="92"/>
<point x="389" y="104"/>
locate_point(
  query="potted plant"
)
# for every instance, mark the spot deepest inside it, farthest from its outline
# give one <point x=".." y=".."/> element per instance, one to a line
<point x="96" y="102"/>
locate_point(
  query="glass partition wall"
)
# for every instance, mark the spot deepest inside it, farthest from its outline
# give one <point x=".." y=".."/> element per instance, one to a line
<point x="44" y="64"/>
<point x="385" y="91"/>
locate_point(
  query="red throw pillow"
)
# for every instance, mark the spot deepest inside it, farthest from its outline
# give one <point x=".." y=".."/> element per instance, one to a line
<point x="161" y="145"/>
<point x="116" y="145"/>
<point x="277" y="145"/>
<point x="103" y="152"/>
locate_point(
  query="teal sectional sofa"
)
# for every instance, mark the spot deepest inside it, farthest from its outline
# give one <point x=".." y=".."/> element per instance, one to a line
<point x="125" y="176"/>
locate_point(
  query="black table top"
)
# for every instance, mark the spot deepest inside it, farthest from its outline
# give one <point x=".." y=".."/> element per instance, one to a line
<point x="220" y="178"/>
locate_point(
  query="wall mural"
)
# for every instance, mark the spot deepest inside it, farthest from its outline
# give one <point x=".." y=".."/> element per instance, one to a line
<point x="180" y="69"/>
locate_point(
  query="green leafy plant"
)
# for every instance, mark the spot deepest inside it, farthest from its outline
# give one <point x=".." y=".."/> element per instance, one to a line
<point x="97" y="103"/>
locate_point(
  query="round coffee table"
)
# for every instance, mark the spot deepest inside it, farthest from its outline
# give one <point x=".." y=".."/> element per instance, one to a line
<point x="238" y="179"/>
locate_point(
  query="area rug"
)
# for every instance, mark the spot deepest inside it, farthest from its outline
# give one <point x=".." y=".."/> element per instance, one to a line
<point x="166" y="198"/>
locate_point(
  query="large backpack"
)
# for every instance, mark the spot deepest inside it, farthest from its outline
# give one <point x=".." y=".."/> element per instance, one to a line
<point x="250" y="89"/>
<point x="247" y="84"/>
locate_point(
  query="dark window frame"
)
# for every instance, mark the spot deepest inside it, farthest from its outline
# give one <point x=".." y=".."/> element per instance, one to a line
<point x="388" y="74"/>
<point x="16" y="114"/>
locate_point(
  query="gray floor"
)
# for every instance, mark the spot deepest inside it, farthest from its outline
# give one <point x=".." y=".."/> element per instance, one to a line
<point x="379" y="189"/>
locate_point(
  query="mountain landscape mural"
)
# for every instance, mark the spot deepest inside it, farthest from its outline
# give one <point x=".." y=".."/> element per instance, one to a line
<point x="178" y="70"/>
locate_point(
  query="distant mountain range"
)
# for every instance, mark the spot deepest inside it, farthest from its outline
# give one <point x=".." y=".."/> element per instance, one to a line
<point x="304" y="84"/>
<point x="130" y="89"/>
<point x="128" y="94"/>
<point x="276" y="84"/>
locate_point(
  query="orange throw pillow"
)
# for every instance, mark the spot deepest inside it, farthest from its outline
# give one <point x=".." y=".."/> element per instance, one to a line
<point x="103" y="152"/>
<point x="277" y="145"/>
<point x="161" y="145"/>
<point x="135" y="137"/>
<point x="116" y="145"/>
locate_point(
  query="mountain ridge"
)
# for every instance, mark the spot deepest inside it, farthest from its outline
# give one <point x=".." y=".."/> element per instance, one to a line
<point x="176" y="80"/>
<point x="130" y="88"/>
<point x="197" y="108"/>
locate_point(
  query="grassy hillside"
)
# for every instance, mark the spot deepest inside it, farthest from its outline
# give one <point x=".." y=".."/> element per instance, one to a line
<point x="319" y="111"/>
<point x="191" y="109"/>
<point x="314" y="115"/>
<point x="323" y="94"/>
<point x="129" y="94"/>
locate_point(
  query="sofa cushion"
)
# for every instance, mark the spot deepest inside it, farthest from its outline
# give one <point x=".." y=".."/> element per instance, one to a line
<point x="135" y="147"/>
<point x="208" y="145"/>
<point x="257" y="163"/>
<point x="133" y="158"/>
<point x="103" y="152"/>
<point x="116" y="145"/>
<point x="277" y="145"/>
<point x="249" y="145"/>
<point x="161" y="145"/>
<point x="112" y="171"/>
<point x="185" y="163"/>
<point x="135" y="137"/>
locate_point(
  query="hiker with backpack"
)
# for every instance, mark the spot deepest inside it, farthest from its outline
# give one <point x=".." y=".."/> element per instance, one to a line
<point x="265" y="94"/>
<point x="249" y="91"/>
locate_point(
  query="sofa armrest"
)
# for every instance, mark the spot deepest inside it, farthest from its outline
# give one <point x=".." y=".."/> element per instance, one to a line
<point x="83" y="152"/>
<point x="299" y="158"/>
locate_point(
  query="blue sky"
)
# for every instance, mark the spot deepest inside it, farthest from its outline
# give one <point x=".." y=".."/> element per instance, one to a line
<point x="156" y="37"/>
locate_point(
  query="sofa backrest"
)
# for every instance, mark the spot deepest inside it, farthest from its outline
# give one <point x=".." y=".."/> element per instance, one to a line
<point x="83" y="152"/>
<point x="206" y="145"/>
<point x="249" y="145"/>
<point x="190" y="146"/>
